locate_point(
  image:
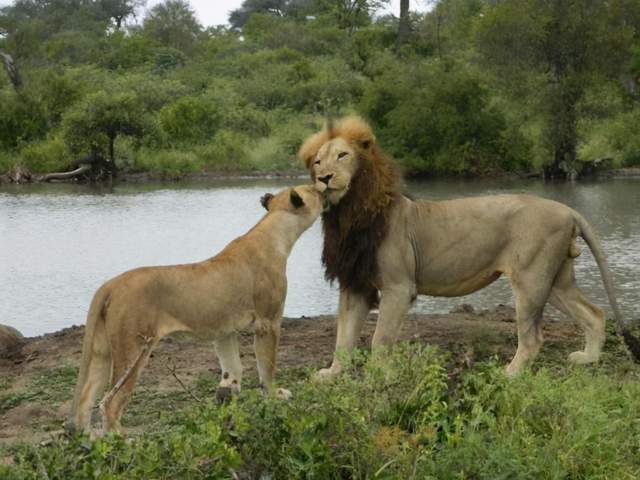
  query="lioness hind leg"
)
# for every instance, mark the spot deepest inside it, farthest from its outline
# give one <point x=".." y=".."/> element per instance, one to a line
<point x="228" y="351"/>
<point x="129" y="359"/>
<point x="96" y="380"/>
<point x="567" y="298"/>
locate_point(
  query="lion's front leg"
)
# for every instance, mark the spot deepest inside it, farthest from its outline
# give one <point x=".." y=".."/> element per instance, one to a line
<point x="394" y="304"/>
<point x="352" y="312"/>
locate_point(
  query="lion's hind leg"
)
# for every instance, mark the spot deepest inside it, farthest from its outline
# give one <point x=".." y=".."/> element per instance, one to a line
<point x="567" y="298"/>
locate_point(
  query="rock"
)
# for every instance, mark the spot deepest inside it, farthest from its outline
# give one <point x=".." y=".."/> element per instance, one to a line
<point x="11" y="342"/>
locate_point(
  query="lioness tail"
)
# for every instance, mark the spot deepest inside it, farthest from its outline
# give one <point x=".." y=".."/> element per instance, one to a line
<point x="94" y="315"/>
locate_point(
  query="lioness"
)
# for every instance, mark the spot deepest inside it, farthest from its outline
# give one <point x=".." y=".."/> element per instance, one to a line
<point x="244" y="286"/>
<point x="378" y="242"/>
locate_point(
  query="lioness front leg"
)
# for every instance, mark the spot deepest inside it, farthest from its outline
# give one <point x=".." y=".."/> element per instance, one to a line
<point x="228" y="351"/>
<point x="352" y="312"/>
<point x="266" y="341"/>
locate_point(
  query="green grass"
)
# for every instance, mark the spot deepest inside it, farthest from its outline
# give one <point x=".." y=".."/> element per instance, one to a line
<point x="403" y="416"/>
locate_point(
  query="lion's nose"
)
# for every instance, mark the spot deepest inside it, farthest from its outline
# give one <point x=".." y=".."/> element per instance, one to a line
<point x="326" y="178"/>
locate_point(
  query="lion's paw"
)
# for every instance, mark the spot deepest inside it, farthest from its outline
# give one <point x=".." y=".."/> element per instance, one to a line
<point x="581" y="358"/>
<point x="325" y="375"/>
<point x="283" y="394"/>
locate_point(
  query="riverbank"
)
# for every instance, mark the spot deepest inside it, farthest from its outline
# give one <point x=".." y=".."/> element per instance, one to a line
<point x="36" y="386"/>
<point x="446" y="411"/>
<point x="23" y="176"/>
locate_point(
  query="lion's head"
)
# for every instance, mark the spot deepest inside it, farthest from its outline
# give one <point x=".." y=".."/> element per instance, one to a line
<point x="361" y="184"/>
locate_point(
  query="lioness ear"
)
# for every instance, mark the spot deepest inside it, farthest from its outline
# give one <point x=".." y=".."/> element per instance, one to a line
<point x="265" y="199"/>
<point x="296" y="199"/>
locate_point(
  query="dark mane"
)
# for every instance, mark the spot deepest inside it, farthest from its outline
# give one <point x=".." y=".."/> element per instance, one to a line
<point x="355" y="228"/>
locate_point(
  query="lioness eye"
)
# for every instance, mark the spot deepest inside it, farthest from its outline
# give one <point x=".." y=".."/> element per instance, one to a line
<point x="342" y="154"/>
<point x="317" y="162"/>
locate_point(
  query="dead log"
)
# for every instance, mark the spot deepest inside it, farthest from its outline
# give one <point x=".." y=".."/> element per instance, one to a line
<point x="81" y="170"/>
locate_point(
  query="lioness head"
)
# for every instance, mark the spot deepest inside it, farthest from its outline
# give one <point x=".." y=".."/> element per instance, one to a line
<point x="304" y="201"/>
<point x="334" y="156"/>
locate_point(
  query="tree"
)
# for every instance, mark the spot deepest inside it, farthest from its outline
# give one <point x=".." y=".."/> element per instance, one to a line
<point x="120" y="10"/>
<point x="173" y="24"/>
<point x="239" y="17"/>
<point x="350" y="14"/>
<point x="94" y="124"/>
<point x="568" y="45"/>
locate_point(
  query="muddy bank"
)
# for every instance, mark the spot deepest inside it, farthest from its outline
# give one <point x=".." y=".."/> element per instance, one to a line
<point x="36" y="386"/>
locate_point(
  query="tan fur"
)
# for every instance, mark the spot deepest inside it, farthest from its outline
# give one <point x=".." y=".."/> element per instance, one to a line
<point x="455" y="247"/>
<point x="244" y="286"/>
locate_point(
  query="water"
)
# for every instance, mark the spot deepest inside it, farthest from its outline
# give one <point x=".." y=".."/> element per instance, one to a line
<point x="59" y="243"/>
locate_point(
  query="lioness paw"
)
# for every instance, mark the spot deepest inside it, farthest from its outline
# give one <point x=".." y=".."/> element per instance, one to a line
<point x="283" y="394"/>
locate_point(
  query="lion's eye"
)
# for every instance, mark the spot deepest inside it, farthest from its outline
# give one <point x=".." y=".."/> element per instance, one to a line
<point x="342" y="155"/>
<point x="317" y="162"/>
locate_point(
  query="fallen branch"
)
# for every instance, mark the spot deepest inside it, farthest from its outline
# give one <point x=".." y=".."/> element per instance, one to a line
<point x="65" y="175"/>
<point x="173" y="372"/>
<point x="116" y="388"/>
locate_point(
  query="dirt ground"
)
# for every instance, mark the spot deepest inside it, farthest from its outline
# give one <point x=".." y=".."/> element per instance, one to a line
<point x="36" y="386"/>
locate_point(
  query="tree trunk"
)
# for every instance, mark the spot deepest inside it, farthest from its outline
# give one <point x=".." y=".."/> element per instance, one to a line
<point x="12" y="71"/>
<point x="112" y="156"/>
<point x="562" y="131"/>
<point x="404" y="27"/>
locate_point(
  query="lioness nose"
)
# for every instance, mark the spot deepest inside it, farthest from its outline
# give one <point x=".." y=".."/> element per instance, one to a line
<point x="326" y="178"/>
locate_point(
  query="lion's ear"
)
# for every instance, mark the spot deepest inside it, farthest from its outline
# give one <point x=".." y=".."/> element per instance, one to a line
<point x="296" y="199"/>
<point x="265" y="199"/>
<point x="367" y="143"/>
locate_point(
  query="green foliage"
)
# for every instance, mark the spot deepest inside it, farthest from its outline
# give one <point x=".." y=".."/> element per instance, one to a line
<point x="48" y="155"/>
<point x="190" y="120"/>
<point x="94" y="124"/>
<point x="170" y="163"/>
<point x="616" y="138"/>
<point x="477" y="86"/>
<point x="401" y="414"/>
<point x="441" y="122"/>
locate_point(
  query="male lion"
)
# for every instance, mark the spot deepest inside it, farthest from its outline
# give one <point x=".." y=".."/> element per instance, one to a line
<point x="382" y="245"/>
<point x="244" y="286"/>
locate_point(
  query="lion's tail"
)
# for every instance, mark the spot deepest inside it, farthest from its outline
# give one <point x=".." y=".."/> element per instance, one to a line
<point x="95" y="315"/>
<point x="589" y="236"/>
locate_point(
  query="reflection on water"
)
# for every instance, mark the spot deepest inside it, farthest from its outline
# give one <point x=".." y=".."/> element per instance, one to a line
<point x="58" y="243"/>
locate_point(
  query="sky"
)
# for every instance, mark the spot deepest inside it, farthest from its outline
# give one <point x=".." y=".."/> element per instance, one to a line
<point x="216" y="12"/>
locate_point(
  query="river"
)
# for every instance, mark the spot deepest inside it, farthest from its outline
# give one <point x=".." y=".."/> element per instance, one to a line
<point x="59" y="243"/>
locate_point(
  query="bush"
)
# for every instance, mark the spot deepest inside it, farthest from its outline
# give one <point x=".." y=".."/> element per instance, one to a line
<point x="616" y="138"/>
<point x="229" y="150"/>
<point x="170" y="163"/>
<point x="191" y="120"/>
<point x="49" y="155"/>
